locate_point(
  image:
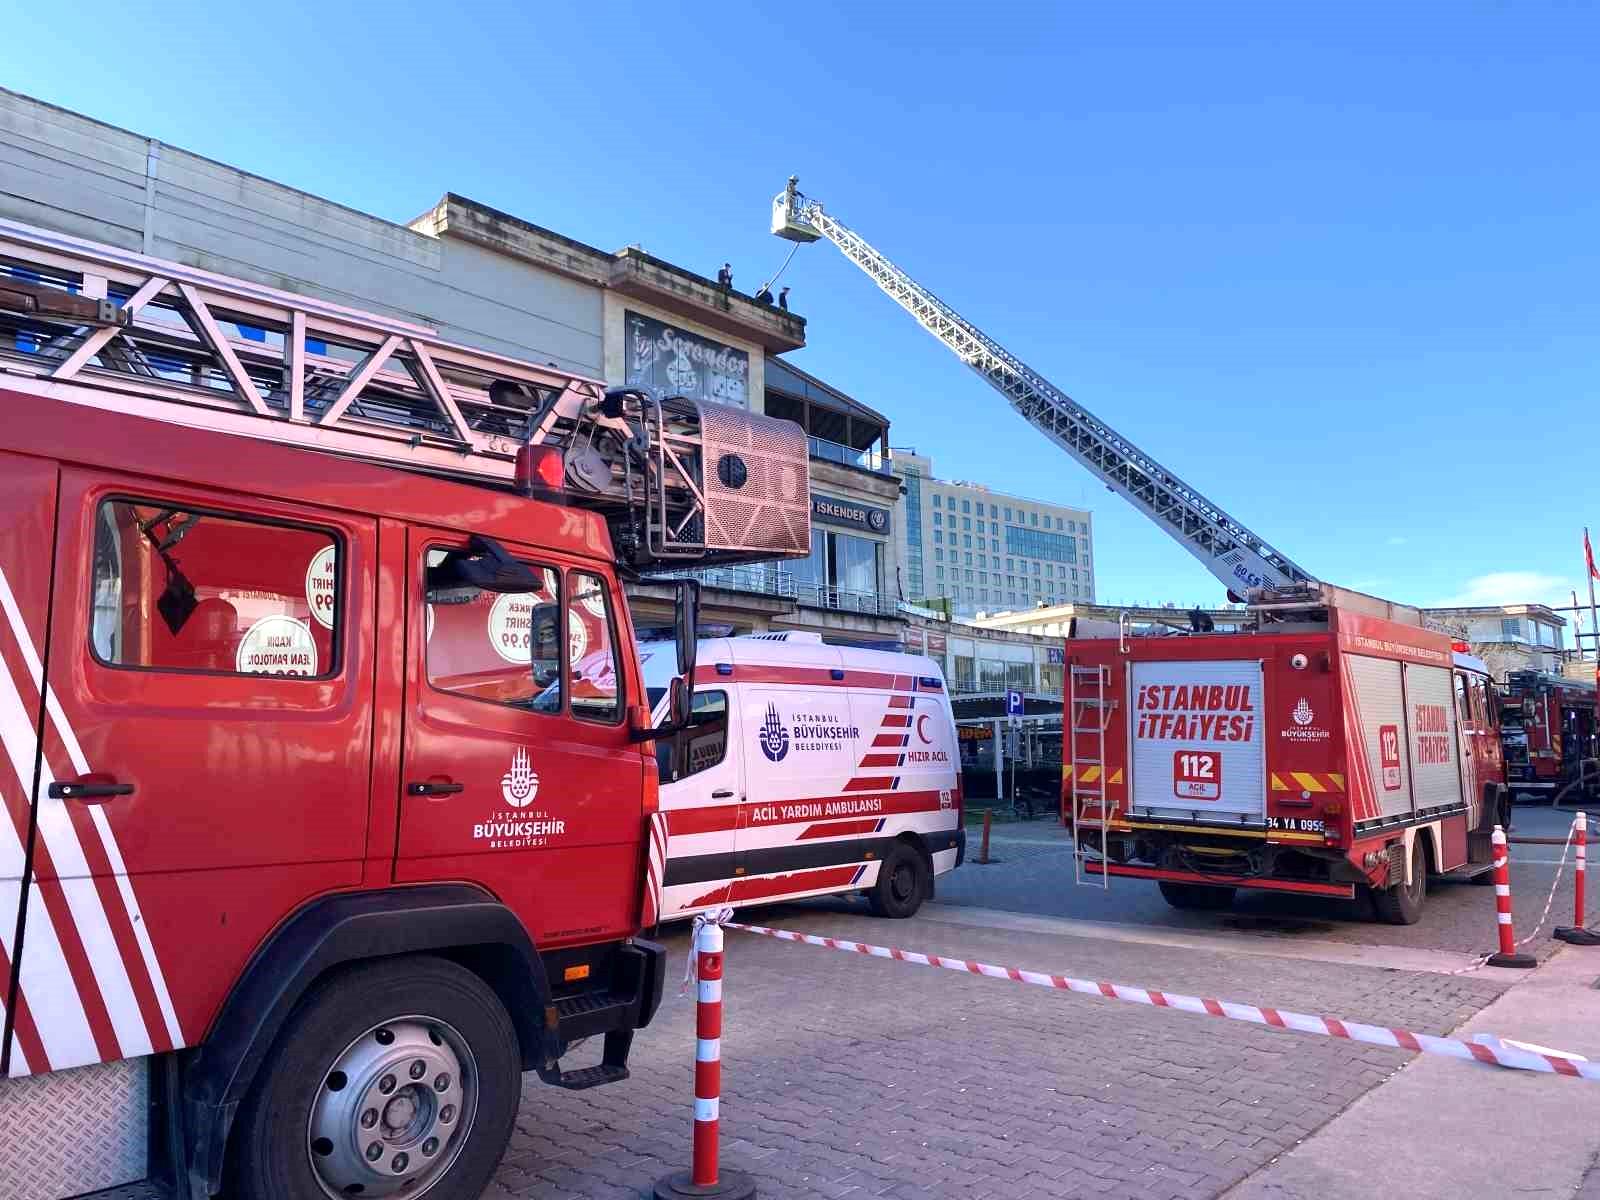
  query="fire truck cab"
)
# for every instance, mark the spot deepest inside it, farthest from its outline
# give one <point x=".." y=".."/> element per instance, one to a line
<point x="328" y="762"/>
<point x="1548" y="729"/>
<point x="1333" y="747"/>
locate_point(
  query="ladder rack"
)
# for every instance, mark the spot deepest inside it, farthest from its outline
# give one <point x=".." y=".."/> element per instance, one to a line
<point x="680" y="483"/>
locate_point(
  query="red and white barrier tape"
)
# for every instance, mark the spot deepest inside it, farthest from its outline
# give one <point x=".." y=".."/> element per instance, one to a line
<point x="1490" y="1050"/>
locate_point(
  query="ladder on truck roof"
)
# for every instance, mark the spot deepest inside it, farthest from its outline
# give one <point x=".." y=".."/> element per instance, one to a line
<point x="1088" y="715"/>
<point x="679" y="482"/>
<point x="1240" y="559"/>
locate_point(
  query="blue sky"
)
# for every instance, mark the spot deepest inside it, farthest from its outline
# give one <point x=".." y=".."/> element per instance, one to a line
<point x="1337" y="266"/>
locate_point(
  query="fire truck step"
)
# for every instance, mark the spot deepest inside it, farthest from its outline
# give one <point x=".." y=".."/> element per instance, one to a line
<point x="588" y="1077"/>
<point x="132" y="1191"/>
<point x="592" y="1013"/>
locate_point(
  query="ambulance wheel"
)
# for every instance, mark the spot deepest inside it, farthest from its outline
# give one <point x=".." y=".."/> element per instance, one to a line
<point x="1197" y="896"/>
<point x="902" y="885"/>
<point x="1401" y="903"/>
<point x="392" y="1078"/>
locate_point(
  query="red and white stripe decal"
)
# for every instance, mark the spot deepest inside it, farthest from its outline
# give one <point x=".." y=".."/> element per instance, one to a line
<point x="655" y="869"/>
<point x="1500" y="1053"/>
<point x="90" y="976"/>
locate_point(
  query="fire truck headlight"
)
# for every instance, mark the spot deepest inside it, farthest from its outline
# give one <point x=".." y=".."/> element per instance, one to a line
<point x="1299" y="662"/>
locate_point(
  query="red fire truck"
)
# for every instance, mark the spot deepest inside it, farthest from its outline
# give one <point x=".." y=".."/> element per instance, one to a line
<point x="1548" y="729"/>
<point x="328" y="763"/>
<point x="1332" y="746"/>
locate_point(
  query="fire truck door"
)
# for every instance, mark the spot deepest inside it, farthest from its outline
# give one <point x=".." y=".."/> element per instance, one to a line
<point x="205" y="761"/>
<point x="519" y="774"/>
<point x="27" y="528"/>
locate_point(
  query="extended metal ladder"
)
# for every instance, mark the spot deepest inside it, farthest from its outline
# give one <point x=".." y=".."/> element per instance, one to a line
<point x="1088" y="714"/>
<point x="681" y="483"/>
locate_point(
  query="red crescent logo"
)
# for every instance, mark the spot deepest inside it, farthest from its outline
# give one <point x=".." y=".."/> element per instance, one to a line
<point x="926" y="740"/>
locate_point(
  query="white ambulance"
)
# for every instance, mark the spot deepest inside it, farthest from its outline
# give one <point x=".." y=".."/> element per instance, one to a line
<point x="809" y="769"/>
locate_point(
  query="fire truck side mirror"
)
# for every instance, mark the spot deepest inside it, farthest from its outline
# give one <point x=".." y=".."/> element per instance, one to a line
<point x="681" y="707"/>
<point x="686" y="625"/>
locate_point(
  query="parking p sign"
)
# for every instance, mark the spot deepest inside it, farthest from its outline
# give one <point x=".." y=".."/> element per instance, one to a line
<point x="1013" y="703"/>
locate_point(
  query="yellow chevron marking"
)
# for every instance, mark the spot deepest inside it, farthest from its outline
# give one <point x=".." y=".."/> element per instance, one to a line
<point x="1278" y="785"/>
<point x="1308" y="781"/>
<point x="1338" y="782"/>
<point x="1089" y="775"/>
<point x="1116" y="776"/>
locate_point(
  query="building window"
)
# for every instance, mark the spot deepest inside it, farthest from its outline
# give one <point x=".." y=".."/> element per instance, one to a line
<point x="938" y="555"/>
<point x="936" y="499"/>
<point x="983" y="594"/>
<point x="1039" y="544"/>
<point x="938" y="538"/>
<point x="1511" y="629"/>
<point x="992" y="511"/>
<point x="1033" y="518"/>
<point x="966" y="522"/>
<point x="1008" y="514"/>
<point x="969" y="560"/>
<point x="938" y="573"/>
<point x="938" y="519"/>
<point x="1059" y="524"/>
<point x="966" y="506"/>
<point x="966" y="540"/>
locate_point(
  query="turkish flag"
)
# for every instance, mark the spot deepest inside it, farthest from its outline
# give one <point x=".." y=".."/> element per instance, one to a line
<point x="1588" y="556"/>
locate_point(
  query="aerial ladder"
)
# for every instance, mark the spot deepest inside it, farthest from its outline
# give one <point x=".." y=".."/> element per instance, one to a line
<point x="1239" y="558"/>
<point x="1244" y="562"/>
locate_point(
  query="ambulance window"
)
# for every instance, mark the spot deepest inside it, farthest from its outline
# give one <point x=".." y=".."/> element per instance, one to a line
<point x="592" y="670"/>
<point x="496" y="646"/>
<point x="707" y="735"/>
<point x="176" y="589"/>
<point x="704" y="743"/>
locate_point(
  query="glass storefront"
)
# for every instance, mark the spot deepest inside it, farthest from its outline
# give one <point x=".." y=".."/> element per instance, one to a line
<point x="841" y="561"/>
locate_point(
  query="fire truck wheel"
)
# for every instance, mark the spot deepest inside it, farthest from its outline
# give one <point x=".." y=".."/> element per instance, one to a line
<point x="902" y="882"/>
<point x="1196" y="896"/>
<point x="1401" y="904"/>
<point x="393" y="1078"/>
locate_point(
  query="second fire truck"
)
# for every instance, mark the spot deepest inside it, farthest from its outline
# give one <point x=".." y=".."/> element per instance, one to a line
<point x="1332" y="745"/>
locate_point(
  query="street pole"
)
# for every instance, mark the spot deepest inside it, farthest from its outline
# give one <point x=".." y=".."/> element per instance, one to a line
<point x="1594" y="620"/>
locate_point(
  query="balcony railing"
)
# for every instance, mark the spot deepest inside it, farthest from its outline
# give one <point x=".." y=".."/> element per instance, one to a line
<point x="772" y="581"/>
<point x="871" y="459"/>
<point x="844" y="600"/>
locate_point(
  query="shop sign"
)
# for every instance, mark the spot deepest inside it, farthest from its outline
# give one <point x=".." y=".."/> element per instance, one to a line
<point x="848" y="513"/>
<point x="937" y="644"/>
<point x="679" y="363"/>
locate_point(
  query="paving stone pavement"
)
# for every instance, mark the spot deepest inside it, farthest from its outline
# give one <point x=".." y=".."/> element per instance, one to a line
<point x="1035" y="856"/>
<point x="849" y="1076"/>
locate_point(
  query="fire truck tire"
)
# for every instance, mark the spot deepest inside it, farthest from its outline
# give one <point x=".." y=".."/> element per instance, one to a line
<point x="1197" y="896"/>
<point x="399" y="1077"/>
<point x="1401" y="903"/>
<point x="903" y="882"/>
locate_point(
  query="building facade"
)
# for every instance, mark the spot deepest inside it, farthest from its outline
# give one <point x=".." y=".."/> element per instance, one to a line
<point x="1508" y="637"/>
<point x="972" y="549"/>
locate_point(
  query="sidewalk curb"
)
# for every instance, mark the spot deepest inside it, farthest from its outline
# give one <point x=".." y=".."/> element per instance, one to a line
<point x="1549" y="1122"/>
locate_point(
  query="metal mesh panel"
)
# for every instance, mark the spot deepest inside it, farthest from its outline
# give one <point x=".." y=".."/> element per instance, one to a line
<point x="771" y="510"/>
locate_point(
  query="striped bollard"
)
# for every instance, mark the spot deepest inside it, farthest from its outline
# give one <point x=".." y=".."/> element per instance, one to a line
<point x="1575" y="933"/>
<point x="704" y="1178"/>
<point x="1508" y="956"/>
